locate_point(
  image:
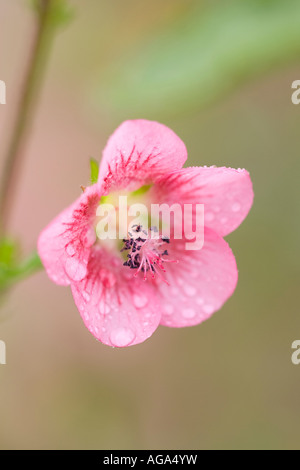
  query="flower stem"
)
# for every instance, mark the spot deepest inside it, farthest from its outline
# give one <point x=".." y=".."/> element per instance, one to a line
<point x="13" y="275"/>
<point x="30" y="91"/>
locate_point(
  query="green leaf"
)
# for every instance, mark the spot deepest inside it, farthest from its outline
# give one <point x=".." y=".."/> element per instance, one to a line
<point x="206" y="54"/>
<point x="12" y="268"/>
<point x="9" y="251"/>
<point x="94" y="166"/>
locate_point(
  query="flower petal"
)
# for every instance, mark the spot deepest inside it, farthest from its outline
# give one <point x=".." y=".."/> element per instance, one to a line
<point x="118" y="309"/>
<point x="64" y="245"/>
<point x="200" y="283"/>
<point x="226" y="193"/>
<point x="137" y="153"/>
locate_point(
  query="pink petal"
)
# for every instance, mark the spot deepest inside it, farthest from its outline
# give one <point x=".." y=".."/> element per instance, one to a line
<point x="137" y="153"/>
<point x="226" y="193"/>
<point x="64" y="245"/>
<point x="200" y="283"/>
<point x="118" y="309"/>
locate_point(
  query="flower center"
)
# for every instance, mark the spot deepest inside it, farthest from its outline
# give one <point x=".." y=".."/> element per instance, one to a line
<point x="147" y="252"/>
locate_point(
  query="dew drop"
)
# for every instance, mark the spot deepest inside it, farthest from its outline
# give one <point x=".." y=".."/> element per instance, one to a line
<point x="75" y="269"/>
<point x="86" y="315"/>
<point x="199" y="301"/>
<point x="168" y="309"/>
<point x="236" y="207"/>
<point x="104" y="308"/>
<point x="90" y="237"/>
<point x="224" y="220"/>
<point x="208" y="309"/>
<point x="190" y="290"/>
<point x="86" y="296"/>
<point x="121" y="337"/>
<point x="70" y="249"/>
<point x="140" y="301"/>
<point x="188" y="313"/>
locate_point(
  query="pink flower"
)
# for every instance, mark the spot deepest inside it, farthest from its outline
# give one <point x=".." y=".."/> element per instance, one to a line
<point x="117" y="306"/>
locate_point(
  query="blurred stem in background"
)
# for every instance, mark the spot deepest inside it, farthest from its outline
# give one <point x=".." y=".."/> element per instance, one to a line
<point x="46" y="22"/>
<point x="50" y="15"/>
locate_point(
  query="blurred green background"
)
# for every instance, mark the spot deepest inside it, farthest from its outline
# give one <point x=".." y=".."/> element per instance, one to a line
<point x="219" y="74"/>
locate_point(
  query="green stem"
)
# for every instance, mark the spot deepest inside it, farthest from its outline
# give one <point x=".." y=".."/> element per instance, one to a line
<point x="16" y="274"/>
<point x="29" y="94"/>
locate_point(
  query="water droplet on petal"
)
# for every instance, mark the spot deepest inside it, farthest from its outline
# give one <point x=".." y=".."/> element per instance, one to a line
<point x="236" y="207"/>
<point x="208" y="309"/>
<point x="224" y="220"/>
<point x="190" y="290"/>
<point x="121" y="337"/>
<point x="75" y="269"/>
<point x="104" y="308"/>
<point x="168" y="309"/>
<point x="70" y="249"/>
<point x="90" y="237"/>
<point x="199" y="301"/>
<point x="188" y="313"/>
<point x="86" y="315"/>
<point x="86" y="296"/>
<point x="140" y="301"/>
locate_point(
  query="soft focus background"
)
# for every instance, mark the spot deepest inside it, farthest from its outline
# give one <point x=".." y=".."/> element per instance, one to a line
<point x="219" y="74"/>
